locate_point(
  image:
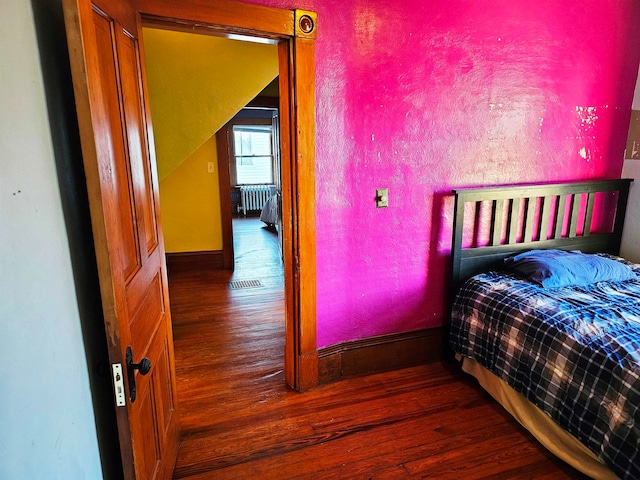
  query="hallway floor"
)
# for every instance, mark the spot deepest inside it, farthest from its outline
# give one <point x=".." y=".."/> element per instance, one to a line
<point x="257" y="252"/>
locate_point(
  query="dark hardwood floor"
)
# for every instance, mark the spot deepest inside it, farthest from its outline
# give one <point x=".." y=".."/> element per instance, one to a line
<point x="240" y="421"/>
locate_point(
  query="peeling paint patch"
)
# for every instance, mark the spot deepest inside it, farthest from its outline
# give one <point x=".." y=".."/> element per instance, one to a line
<point x="583" y="153"/>
<point x="588" y="115"/>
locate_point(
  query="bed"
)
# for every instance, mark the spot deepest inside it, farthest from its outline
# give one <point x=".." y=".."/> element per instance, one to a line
<point x="563" y="359"/>
<point x="269" y="213"/>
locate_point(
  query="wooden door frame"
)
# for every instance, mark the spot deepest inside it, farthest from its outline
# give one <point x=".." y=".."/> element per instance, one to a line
<point x="224" y="187"/>
<point x="294" y="31"/>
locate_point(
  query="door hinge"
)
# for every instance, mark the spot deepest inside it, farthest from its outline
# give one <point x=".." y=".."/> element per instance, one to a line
<point x="118" y="385"/>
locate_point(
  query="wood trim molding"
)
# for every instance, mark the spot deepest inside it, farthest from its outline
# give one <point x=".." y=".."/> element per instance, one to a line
<point x="204" y="260"/>
<point x="286" y="111"/>
<point x="225" y="17"/>
<point x="380" y="354"/>
<point x="303" y="164"/>
<point x="224" y="186"/>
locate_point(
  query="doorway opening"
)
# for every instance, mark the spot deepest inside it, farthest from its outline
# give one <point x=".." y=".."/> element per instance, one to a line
<point x="249" y="148"/>
<point x="253" y="154"/>
<point x="294" y="33"/>
<point x="209" y="307"/>
<point x="229" y="324"/>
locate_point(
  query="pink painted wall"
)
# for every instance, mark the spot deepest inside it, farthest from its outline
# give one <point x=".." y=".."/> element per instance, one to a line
<point x="424" y="96"/>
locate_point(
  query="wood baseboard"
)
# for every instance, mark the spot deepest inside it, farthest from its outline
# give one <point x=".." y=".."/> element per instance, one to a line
<point x="380" y="354"/>
<point x="204" y="260"/>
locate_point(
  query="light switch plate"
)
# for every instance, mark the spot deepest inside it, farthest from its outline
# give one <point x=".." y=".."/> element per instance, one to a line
<point x="382" y="197"/>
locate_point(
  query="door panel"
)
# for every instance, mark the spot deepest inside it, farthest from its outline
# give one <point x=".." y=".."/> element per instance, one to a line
<point x="110" y="95"/>
<point x="120" y="180"/>
<point x="149" y="454"/>
<point x="136" y="140"/>
<point x="147" y="312"/>
<point x="155" y="409"/>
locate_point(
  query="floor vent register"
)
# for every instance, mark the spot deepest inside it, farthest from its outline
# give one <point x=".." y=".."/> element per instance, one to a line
<point x="244" y="284"/>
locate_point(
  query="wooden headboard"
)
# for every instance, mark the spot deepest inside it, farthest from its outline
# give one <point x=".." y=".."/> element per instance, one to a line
<point x="523" y="217"/>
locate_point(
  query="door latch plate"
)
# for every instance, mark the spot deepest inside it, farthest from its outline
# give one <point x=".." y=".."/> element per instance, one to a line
<point x="118" y="385"/>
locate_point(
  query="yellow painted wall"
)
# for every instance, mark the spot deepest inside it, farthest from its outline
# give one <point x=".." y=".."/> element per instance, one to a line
<point x="190" y="204"/>
<point x="197" y="83"/>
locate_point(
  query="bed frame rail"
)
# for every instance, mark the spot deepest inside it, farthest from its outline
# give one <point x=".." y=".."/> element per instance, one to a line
<point x="492" y="223"/>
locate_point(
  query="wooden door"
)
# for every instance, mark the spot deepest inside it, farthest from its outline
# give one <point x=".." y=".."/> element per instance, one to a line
<point x="111" y="100"/>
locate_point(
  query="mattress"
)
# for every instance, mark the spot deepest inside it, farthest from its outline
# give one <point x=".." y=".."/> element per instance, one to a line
<point x="574" y="352"/>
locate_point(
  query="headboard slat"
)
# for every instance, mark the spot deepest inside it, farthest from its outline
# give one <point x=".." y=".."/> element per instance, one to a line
<point x="514" y="212"/>
<point x="588" y="216"/>
<point x="530" y="212"/>
<point x="573" y="220"/>
<point x="560" y="216"/>
<point x="497" y="211"/>
<point x="543" y="230"/>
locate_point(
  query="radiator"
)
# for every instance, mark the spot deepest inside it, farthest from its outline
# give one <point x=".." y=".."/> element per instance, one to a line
<point x="253" y="197"/>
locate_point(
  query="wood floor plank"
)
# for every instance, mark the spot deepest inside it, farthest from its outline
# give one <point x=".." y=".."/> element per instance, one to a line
<point x="391" y="438"/>
<point x="239" y="420"/>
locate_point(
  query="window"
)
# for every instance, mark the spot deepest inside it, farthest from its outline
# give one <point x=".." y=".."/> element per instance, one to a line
<point x="254" y="154"/>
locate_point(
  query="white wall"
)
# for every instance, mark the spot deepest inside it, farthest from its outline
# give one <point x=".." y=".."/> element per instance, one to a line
<point x="630" y="248"/>
<point x="47" y="425"/>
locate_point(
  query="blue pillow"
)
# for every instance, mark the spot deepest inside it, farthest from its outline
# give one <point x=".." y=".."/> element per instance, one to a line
<point x="561" y="268"/>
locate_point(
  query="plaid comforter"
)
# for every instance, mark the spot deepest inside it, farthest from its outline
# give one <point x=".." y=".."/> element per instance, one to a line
<point x="572" y="351"/>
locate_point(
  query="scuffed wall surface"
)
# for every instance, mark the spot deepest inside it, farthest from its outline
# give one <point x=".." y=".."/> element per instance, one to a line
<point x="48" y="426"/>
<point x="421" y="97"/>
